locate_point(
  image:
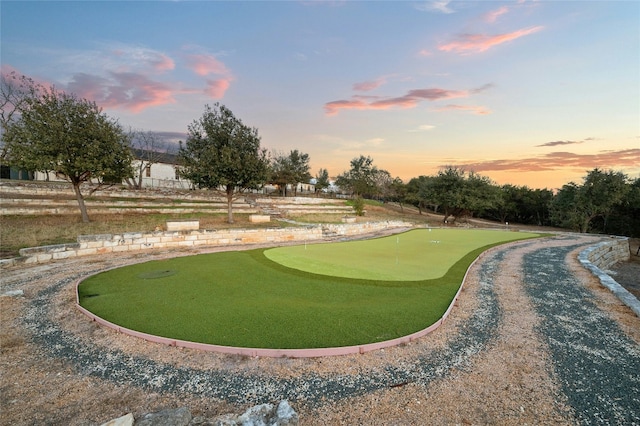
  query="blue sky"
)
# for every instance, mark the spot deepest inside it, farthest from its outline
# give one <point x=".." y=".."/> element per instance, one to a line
<point x="531" y="93"/>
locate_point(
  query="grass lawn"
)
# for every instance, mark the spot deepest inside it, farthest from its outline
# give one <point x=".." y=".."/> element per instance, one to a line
<point x="245" y="299"/>
<point x="420" y="254"/>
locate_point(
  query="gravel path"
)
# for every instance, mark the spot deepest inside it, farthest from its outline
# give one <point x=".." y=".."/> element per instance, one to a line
<point x="598" y="365"/>
<point x="531" y="341"/>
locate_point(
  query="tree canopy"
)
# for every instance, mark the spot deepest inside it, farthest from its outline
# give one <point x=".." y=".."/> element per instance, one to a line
<point x="222" y="153"/>
<point x="360" y="178"/>
<point x="53" y="131"/>
<point x="457" y="193"/>
<point x="577" y="206"/>
<point x="322" y="180"/>
<point x="289" y="169"/>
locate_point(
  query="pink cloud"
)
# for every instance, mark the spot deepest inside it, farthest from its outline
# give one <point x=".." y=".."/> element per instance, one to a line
<point x="409" y="100"/>
<point x="366" y="86"/>
<point x="163" y="63"/>
<point x="401" y="102"/>
<point x="437" y="94"/>
<point x="217" y="88"/>
<point x="474" y="109"/>
<point x="562" y="160"/>
<point x="332" y="108"/>
<point x="558" y="143"/>
<point x="495" y="14"/>
<point x="131" y="91"/>
<point x="476" y="43"/>
<point x="207" y="64"/>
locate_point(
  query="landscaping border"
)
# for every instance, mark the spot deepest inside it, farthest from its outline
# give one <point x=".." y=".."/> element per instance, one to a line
<point x="274" y="353"/>
<point x="602" y="256"/>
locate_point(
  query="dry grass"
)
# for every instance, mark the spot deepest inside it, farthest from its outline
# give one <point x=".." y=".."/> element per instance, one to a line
<point x="22" y="231"/>
<point x="17" y="232"/>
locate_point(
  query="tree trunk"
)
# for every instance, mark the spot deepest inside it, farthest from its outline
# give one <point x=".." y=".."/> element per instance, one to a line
<point x="80" y="198"/>
<point x="230" y="190"/>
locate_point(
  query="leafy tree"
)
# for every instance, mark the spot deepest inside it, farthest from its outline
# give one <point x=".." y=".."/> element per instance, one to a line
<point x="458" y="193"/>
<point x="382" y="181"/>
<point x="578" y="206"/>
<point x="565" y="211"/>
<point x="322" y="180"/>
<point x="505" y="206"/>
<point x="416" y="192"/>
<point x="280" y="173"/>
<point x="446" y="191"/>
<point x="148" y="148"/>
<point x="289" y="170"/>
<point x="600" y="194"/>
<point x="625" y="219"/>
<point x="57" y="132"/>
<point x="479" y="194"/>
<point x="360" y="179"/>
<point x="533" y="206"/>
<point x="358" y="205"/>
<point x="221" y="153"/>
<point x="397" y="192"/>
<point x="300" y="165"/>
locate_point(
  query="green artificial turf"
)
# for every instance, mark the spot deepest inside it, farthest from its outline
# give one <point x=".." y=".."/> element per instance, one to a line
<point x="420" y="254"/>
<point x="244" y="299"/>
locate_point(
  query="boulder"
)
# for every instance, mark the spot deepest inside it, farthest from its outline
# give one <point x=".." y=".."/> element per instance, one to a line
<point x="13" y="293"/>
<point x="259" y="415"/>
<point x="178" y="417"/>
<point x="268" y="415"/>
<point x="126" y="420"/>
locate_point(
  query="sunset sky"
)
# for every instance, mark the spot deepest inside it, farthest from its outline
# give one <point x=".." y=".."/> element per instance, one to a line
<point x="532" y="93"/>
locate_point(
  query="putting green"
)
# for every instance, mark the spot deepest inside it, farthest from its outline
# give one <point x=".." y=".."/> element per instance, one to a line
<point x="421" y="254"/>
<point x="242" y="298"/>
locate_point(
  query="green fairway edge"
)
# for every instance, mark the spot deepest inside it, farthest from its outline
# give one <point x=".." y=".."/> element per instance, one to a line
<point x="443" y="289"/>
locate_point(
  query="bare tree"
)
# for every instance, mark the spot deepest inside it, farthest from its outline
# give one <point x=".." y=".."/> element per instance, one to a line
<point x="148" y="148"/>
<point x="15" y="91"/>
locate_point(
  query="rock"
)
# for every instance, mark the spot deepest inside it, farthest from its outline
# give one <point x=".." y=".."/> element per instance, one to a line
<point x="256" y="416"/>
<point x="13" y="293"/>
<point x="268" y="415"/>
<point x="126" y="420"/>
<point x="225" y="420"/>
<point x="285" y="414"/>
<point x="259" y="415"/>
<point x="178" y="417"/>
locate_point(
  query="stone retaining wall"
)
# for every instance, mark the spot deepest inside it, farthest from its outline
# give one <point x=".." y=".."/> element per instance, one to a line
<point x="88" y="245"/>
<point x="608" y="253"/>
<point x="601" y="257"/>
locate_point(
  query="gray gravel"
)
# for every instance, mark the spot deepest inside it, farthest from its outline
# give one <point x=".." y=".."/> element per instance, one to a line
<point x="598" y="366"/>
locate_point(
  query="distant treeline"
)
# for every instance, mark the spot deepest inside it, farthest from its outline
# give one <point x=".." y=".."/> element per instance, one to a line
<point x="605" y="202"/>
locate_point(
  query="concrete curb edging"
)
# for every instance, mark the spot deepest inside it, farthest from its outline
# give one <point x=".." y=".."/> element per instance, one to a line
<point x="623" y="294"/>
<point x="275" y="353"/>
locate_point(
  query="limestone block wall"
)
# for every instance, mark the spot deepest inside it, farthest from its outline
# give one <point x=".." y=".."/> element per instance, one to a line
<point x="88" y="245"/>
<point x="606" y="254"/>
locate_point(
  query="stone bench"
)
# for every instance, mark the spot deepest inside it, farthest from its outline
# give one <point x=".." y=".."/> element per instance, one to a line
<point x="183" y="225"/>
<point x="259" y="218"/>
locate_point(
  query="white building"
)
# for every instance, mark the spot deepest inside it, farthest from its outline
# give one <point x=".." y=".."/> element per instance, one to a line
<point x="160" y="174"/>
